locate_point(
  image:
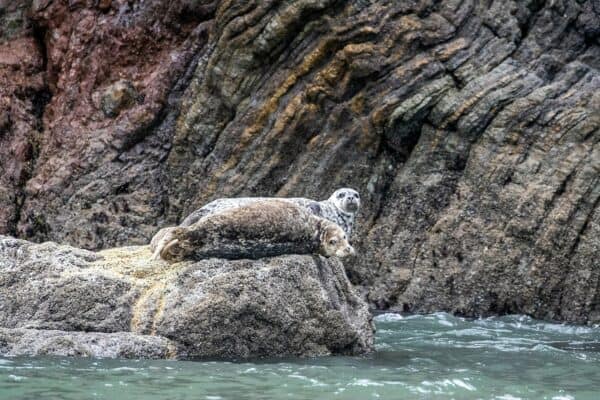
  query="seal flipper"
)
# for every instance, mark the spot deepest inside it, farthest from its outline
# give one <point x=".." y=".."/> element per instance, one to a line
<point x="170" y="252"/>
<point x="156" y="255"/>
<point x="173" y="245"/>
<point x="160" y="239"/>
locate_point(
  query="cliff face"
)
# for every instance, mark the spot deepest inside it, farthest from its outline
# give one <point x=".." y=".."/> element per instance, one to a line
<point x="470" y="128"/>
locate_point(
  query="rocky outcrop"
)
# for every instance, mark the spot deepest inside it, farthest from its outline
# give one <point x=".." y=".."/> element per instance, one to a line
<point x="470" y="128"/>
<point x="37" y="342"/>
<point x="23" y="97"/>
<point x="117" y="303"/>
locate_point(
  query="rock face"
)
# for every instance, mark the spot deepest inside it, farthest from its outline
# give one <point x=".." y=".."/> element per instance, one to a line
<point x="37" y="342"/>
<point x="117" y="303"/>
<point x="470" y="128"/>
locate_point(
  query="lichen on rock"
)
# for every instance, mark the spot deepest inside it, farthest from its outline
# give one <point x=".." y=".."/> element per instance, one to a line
<point x="117" y="97"/>
<point x="56" y="299"/>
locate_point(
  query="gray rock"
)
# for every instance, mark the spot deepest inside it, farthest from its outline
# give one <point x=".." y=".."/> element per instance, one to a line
<point x="36" y="342"/>
<point x="281" y="306"/>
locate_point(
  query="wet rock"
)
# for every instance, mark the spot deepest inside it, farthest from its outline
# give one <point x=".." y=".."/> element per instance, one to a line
<point x="289" y="305"/>
<point x="36" y="342"/>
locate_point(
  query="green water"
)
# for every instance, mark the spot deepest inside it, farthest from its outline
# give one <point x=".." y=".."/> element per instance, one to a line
<point x="418" y="357"/>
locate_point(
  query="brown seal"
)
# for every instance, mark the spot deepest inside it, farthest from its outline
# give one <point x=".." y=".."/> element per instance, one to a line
<point x="341" y="207"/>
<point x="264" y="229"/>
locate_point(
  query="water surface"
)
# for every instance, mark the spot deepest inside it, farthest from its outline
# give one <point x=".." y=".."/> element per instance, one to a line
<point x="435" y="356"/>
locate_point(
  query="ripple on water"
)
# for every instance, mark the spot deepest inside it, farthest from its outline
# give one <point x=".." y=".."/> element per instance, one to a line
<point x="388" y="317"/>
<point x="418" y="357"/>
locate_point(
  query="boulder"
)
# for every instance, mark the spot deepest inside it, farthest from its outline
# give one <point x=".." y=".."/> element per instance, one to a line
<point x="39" y="342"/>
<point x="57" y="299"/>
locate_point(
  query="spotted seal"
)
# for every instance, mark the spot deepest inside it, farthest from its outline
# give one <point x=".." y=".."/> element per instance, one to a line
<point x="341" y="207"/>
<point x="258" y="229"/>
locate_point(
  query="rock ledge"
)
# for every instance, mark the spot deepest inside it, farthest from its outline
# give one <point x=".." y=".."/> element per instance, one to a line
<point x="60" y="300"/>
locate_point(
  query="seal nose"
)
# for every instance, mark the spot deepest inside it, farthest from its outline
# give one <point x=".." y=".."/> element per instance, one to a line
<point x="352" y="204"/>
<point x="350" y="251"/>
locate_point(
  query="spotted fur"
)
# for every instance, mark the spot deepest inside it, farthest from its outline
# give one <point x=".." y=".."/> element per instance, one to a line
<point x="259" y="229"/>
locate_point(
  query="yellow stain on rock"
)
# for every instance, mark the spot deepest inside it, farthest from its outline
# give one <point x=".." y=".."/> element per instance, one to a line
<point x="410" y="23"/>
<point x="269" y="107"/>
<point x="446" y="51"/>
<point x="332" y="72"/>
<point x="160" y="310"/>
<point x="313" y="141"/>
<point x="149" y="276"/>
<point x="357" y="104"/>
<point x="147" y="304"/>
<point x="353" y="49"/>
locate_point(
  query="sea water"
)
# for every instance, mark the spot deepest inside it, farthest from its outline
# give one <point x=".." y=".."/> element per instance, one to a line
<point x="434" y="356"/>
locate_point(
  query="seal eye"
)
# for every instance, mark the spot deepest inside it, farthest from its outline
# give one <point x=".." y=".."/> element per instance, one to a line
<point x="341" y="195"/>
<point x="333" y="241"/>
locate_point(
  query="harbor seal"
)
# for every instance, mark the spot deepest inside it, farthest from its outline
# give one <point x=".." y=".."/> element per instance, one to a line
<point x="259" y="229"/>
<point x="341" y="207"/>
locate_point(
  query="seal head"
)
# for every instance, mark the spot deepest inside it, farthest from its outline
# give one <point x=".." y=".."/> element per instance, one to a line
<point x="334" y="243"/>
<point x="346" y="199"/>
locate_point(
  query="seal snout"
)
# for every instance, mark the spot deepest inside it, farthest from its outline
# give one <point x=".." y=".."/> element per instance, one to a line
<point x="346" y="252"/>
<point x="352" y="204"/>
<point x="351" y="251"/>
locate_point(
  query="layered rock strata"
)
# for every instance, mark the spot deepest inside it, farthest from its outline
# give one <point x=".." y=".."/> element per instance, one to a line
<point x="470" y="128"/>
